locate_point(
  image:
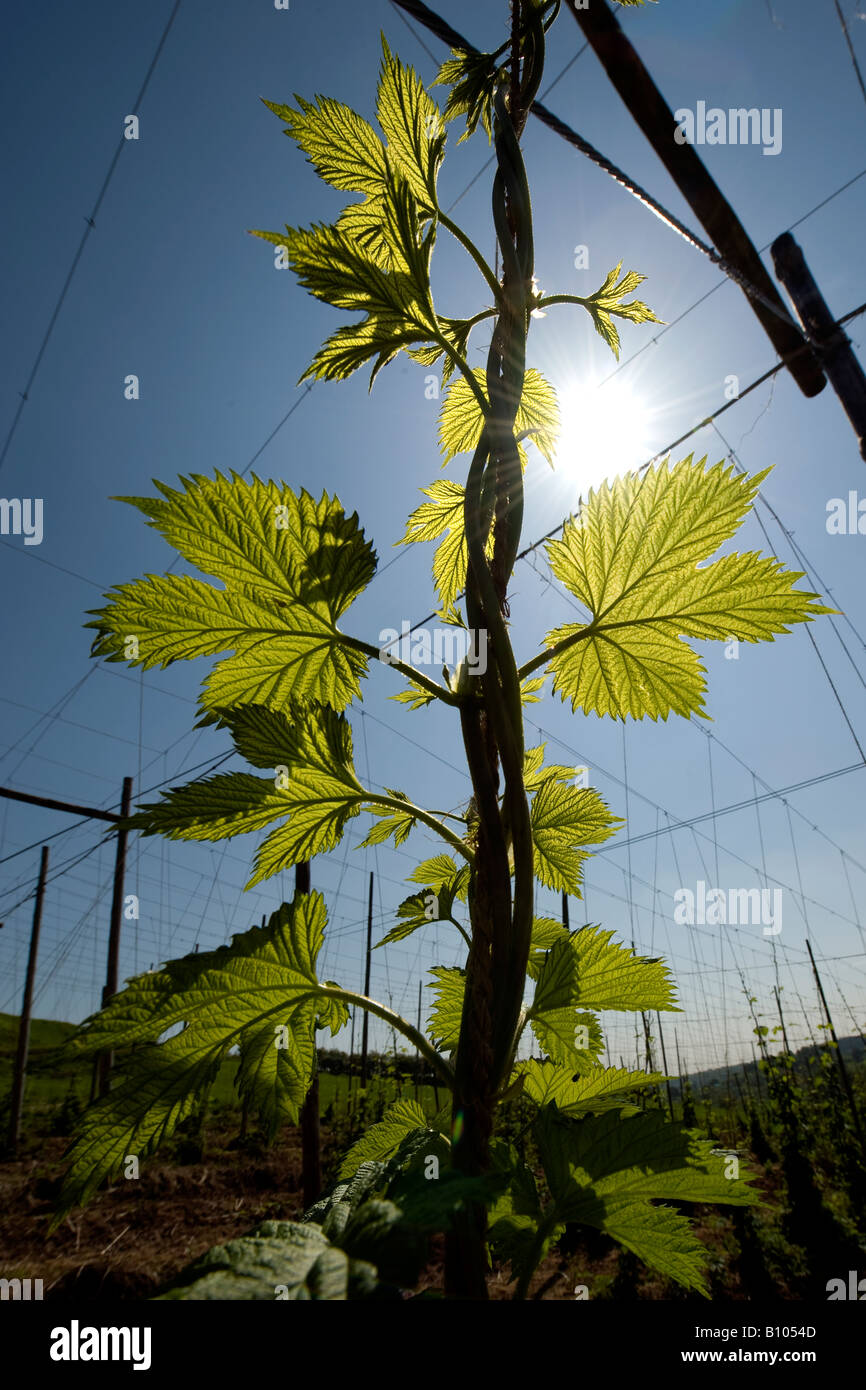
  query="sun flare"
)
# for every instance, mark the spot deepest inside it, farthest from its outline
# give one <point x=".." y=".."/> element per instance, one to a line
<point x="605" y="432"/>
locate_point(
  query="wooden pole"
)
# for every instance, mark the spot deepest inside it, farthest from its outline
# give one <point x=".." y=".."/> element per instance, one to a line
<point x="646" y="1034"/>
<point x="837" y="356"/>
<point x="843" y="1070"/>
<point x="655" y="118"/>
<point x="26" y="1007"/>
<point x="311" y="1139"/>
<point x="351" y="1065"/>
<point x="665" y="1064"/>
<point x="397" y="1078"/>
<point x="781" y="1017"/>
<point x="111" y="974"/>
<point x="417" y="1054"/>
<point x="366" y="1024"/>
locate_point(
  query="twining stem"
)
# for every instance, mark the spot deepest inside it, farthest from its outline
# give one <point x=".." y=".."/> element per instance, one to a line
<point x="460" y="361"/>
<point x="394" y="1020"/>
<point x="469" y="245"/>
<point x="440" y="692"/>
<point x="462" y="930"/>
<point x="530" y="1264"/>
<point x="396" y="803"/>
<point x="561" y="299"/>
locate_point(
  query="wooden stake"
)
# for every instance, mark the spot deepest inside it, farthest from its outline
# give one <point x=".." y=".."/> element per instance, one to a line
<point x="665" y="1063"/>
<point x="843" y="1070"/>
<point x="365" y="1028"/>
<point x="26" y="1006"/>
<point x="111" y="975"/>
<point x="311" y="1147"/>
<point x="837" y="356"/>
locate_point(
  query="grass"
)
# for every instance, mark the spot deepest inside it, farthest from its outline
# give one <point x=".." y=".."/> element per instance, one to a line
<point x="51" y="1077"/>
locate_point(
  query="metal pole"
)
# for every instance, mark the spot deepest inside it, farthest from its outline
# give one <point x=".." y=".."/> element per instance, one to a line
<point x="106" y="1058"/>
<point x="364" y="1033"/>
<point x="565" y="910"/>
<point x="837" y="356"/>
<point x="26" y="1006"/>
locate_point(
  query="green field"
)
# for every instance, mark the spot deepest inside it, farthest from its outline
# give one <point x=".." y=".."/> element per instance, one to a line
<point x="52" y="1079"/>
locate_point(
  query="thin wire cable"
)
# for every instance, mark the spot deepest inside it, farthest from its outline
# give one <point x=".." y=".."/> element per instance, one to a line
<point x="91" y="223"/>
<point x="455" y="40"/>
<point x="844" y="25"/>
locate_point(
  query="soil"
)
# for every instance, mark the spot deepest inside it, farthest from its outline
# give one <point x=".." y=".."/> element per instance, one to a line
<point x="133" y="1238"/>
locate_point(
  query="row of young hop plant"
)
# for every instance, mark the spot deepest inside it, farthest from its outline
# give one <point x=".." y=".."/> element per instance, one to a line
<point x="636" y="558"/>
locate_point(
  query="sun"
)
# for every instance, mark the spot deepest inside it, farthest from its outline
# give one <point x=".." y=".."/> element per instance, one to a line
<point x="605" y="432"/>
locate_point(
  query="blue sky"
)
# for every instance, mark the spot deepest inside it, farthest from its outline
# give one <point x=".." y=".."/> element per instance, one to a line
<point x="171" y="288"/>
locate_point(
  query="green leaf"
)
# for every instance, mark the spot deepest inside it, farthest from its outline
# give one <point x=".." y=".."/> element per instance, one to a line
<point x="608" y="300"/>
<point x="431" y="1205"/>
<point x="473" y="79"/>
<point x="599" y="1089"/>
<point x="311" y="750"/>
<point x="381" y="336"/>
<point x="530" y="688"/>
<point x="535" y="773"/>
<point x="276" y="1070"/>
<point x="447" y="1011"/>
<point x="290" y="568"/>
<point x="556" y="1030"/>
<point x="514" y="1220"/>
<point x="564" y="818"/>
<point x="553" y="1017"/>
<point x="456" y="332"/>
<point x="425" y="907"/>
<point x="415" y="696"/>
<point x="606" y="1171"/>
<point x="336" y="269"/>
<point x="631" y="560"/>
<point x="461" y="420"/>
<point x="414" y="128"/>
<point x="438" y="871"/>
<point x="300" y="1261"/>
<point x="342" y="147"/>
<point x="381" y="1140"/>
<point x="546" y="932"/>
<point x="596" y="973"/>
<point x="400" y="824"/>
<point x="378" y="1233"/>
<point x="443" y="514"/>
<point x="244" y="993"/>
